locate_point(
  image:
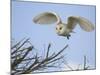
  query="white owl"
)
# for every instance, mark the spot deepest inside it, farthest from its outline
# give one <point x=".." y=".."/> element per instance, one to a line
<point x="63" y="29"/>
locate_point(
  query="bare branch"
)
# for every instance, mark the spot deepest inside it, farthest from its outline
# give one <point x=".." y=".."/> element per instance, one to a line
<point x="15" y="63"/>
<point x="47" y="54"/>
<point x="84" y="62"/>
<point x="23" y="64"/>
<point x="19" y="46"/>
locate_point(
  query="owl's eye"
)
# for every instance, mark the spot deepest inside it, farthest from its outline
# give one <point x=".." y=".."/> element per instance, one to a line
<point x="60" y="28"/>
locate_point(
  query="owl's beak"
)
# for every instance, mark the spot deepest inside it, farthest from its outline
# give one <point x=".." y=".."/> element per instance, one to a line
<point x="58" y="32"/>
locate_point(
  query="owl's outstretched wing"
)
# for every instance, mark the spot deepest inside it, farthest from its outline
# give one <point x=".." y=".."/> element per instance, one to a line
<point x="46" y="18"/>
<point x="83" y="22"/>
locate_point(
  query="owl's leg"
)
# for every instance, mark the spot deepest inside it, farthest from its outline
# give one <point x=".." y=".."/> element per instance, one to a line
<point x="68" y="36"/>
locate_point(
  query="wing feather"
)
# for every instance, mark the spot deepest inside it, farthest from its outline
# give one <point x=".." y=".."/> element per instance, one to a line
<point x="46" y="18"/>
<point x="83" y="22"/>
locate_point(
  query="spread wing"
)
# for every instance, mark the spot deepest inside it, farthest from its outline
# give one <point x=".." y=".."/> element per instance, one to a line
<point x="83" y="22"/>
<point x="46" y="18"/>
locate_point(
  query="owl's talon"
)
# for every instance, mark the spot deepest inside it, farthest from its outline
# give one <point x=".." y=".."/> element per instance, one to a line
<point x="68" y="36"/>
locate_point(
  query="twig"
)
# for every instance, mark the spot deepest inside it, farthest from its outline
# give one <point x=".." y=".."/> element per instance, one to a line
<point x="47" y="54"/>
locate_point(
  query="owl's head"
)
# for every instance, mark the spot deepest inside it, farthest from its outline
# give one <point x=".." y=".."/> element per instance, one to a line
<point x="61" y="29"/>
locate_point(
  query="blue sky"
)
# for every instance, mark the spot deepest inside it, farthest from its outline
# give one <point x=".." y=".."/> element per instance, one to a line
<point x="81" y="43"/>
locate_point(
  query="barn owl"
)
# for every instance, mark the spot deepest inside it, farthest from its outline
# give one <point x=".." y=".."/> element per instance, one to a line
<point x="63" y="29"/>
